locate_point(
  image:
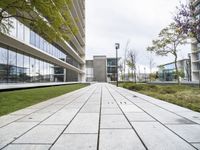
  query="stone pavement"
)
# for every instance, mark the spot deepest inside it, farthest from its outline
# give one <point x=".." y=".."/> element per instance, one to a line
<point x="101" y="117"/>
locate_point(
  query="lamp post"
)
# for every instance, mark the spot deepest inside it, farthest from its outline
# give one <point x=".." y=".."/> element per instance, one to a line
<point x="117" y="45"/>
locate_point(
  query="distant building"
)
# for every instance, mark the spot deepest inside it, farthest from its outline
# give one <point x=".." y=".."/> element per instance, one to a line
<point x="167" y="72"/>
<point x="101" y="69"/>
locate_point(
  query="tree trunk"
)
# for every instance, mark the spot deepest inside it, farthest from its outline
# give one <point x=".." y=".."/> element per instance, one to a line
<point x="135" y="76"/>
<point x="124" y="69"/>
<point x="132" y="74"/>
<point x="176" y="67"/>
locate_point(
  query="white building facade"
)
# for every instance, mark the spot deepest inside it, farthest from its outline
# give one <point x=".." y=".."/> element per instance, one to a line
<point x="195" y="46"/>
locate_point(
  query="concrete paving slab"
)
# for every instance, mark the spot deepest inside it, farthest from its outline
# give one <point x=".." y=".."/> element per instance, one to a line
<point x="162" y="115"/>
<point x="50" y="109"/>
<point x="74" y="105"/>
<point x="111" y="111"/>
<point x="42" y="104"/>
<point x="191" y="115"/>
<point x="114" y="122"/>
<point x="170" y="107"/>
<point x="121" y="139"/>
<point x="44" y="134"/>
<point x="90" y="108"/>
<point x="139" y="117"/>
<point x="27" y="147"/>
<point x="134" y="99"/>
<point x="124" y="102"/>
<point x="109" y="104"/>
<point x="191" y="133"/>
<point x="84" y="123"/>
<point x="4" y="120"/>
<point x="76" y="142"/>
<point x="13" y="131"/>
<point x="130" y="108"/>
<point x="157" y="137"/>
<point x="35" y="117"/>
<point x="197" y="145"/>
<point x="25" y="111"/>
<point x="63" y="116"/>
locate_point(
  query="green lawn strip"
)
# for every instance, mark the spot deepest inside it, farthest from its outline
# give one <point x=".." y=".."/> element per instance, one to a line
<point x="182" y="95"/>
<point x="11" y="101"/>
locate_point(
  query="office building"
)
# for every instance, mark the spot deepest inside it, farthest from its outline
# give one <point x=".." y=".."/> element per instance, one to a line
<point x="26" y="56"/>
<point x="167" y="72"/>
<point x="101" y="69"/>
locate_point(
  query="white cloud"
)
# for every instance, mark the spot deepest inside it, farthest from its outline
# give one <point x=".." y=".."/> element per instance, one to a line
<point x="110" y="21"/>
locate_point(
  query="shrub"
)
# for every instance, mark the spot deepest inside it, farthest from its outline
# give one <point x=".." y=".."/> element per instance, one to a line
<point x="167" y="91"/>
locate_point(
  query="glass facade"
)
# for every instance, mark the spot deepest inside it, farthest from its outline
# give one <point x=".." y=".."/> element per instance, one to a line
<point x="24" y="34"/>
<point x="111" y="69"/>
<point x="20" y="67"/>
<point x="16" y="66"/>
<point x="198" y="56"/>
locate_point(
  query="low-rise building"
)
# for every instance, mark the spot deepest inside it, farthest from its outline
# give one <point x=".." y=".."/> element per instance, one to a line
<point x="101" y="69"/>
<point x="167" y="72"/>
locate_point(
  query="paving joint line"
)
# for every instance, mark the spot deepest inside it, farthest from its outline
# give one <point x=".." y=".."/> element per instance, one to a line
<point x="99" y="126"/>
<point x="25" y="115"/>
<point x="129" y="122"/>
<point x="164" y="108"/>
<point x="157" y="120"/>
<point x="40" y="121"/>
<point x="72" y="119"/>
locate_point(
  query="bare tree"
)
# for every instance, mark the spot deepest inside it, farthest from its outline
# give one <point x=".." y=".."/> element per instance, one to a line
<point x="131" y="62"/>
<point x="120" y="66"/>
<point x="125" y="57"/>
<point x="151" y="64"/>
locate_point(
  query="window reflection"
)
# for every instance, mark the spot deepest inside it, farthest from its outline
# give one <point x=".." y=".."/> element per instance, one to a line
<point x="23" y="33"/>
<point x="12" y="68"/>
<point x="3" y="65"/>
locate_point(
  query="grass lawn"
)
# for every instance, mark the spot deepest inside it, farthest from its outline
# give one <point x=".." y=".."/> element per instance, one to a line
<point x="14" y="100"/>
<point x="181" y="95"/>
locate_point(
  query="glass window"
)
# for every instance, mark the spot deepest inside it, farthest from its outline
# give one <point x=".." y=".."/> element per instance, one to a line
<point x="41" y="43"/>
<point x="44" y="46"/>
<point x="27" y="34"/>
<point x="51" y="72"/>
<point x="37" y="68"/>
<point x="47" y="47"/>
<point x="26" y="68"/>
<point x="20" y="31"/>
<point x="41" y="71"/>
<point x="32" y="70"/>
<point x="47" y="72"/>
<point x="37" y="41"/>
<point x="20" y="67"/>
<point x="32" y="38"/>
<point x="13" y="31"/>
<point x="12" y="69"/>
<point x="3" y="64"/>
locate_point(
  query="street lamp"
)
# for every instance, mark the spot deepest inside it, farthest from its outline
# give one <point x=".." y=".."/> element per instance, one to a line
<point x="117" y="45"/>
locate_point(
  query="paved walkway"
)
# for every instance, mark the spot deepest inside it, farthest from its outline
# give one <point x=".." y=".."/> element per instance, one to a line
<point x="101" y="117"/>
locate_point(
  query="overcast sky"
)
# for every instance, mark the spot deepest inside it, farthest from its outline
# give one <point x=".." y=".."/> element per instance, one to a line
<point x="139" y="21"/>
